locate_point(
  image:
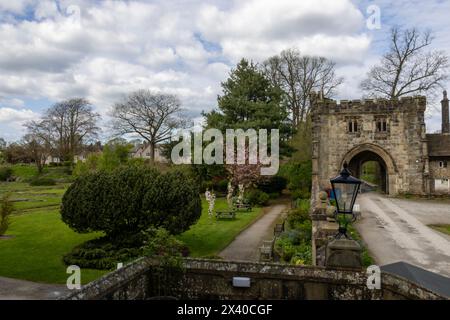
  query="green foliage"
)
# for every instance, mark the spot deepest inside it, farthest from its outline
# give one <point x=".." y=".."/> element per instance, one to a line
<point x="257" y="197"/>
<point x="173" y="202"/>
<point x="40" y="241"/>
<point x="367" y="259"/>
<point x="249" y="100"/>
<point x="211" y="177"/>
<point x="299" y="215"/>
<point x="127" y="201"/>
<point x="54" y="164"/>
<point x="104" y="254"/>
<point x="298" y="175"/>
<point x="67" y="163"/>
<point x="5" y="173"/>
<point x="444" y="228"/>
<point x="294" y="245"/>
<point x="208" y="237"/>
<point x="114" y="155"/>
<point x="303" y="254"/>
<point x="274" y="184"/>
<point x="136" y="162"/>
<point x="24" y="171"/>
<point x="218" y="185"/>
<point x="301" y="142"/>
<point x="6" y="210"/>
<point x="89" y="166"/>
<point x="168" y="249"/>
<point x="293" y="248"/>
<point x="42" y="181"/>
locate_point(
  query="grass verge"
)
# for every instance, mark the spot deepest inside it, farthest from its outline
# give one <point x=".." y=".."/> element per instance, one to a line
<point x="444" y="228"/>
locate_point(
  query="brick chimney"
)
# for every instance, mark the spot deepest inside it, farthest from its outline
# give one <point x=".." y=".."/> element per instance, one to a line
<point x="445" y="114"/>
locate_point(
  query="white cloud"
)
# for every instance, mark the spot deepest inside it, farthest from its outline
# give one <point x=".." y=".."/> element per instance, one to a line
<point x="13" y="115"/>
<point x="12" y="121"/>
<point x="12" y="103"/>
<point x="49" y="52"/>
<point x="261" y="28"/>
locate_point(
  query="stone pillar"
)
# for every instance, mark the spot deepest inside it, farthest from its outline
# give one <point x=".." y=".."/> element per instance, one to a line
<point x="322" y="228"/>
<point x="445" y="114"/>
<point x="343" y="253"/>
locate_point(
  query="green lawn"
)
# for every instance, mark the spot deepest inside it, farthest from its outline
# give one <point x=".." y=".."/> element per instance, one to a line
<point x="26" y="197"/>
<point x="209" y="236"/>
<point x="444" y="228"/>
<point x="27" y="172"/>
<point x="40" y="239"/>
<point x="24" y="171"/>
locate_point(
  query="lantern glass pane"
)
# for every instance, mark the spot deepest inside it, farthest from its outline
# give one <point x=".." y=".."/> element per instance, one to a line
<point x="345" y="196"/>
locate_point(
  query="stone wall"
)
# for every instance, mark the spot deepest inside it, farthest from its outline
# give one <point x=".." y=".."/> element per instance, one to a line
<point x="402" y="147"/>
<point x="210" y="279"/>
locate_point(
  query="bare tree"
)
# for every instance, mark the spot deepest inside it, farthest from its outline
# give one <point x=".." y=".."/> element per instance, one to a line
<point x="65" y="126"/>
<point x="152" y="116"/>
<point x="36" y="149"/>
<point x="407" y="69"/>
<point x="298" y="76"/>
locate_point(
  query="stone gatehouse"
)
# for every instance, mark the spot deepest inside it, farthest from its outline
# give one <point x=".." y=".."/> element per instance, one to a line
<point x="392" y="133"/>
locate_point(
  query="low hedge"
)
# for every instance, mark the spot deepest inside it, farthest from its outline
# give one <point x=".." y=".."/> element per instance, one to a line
<point x="42" y="182"/>
<point x="5" y="173"/>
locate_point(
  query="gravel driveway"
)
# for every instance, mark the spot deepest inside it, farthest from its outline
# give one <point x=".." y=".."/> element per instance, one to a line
<point x="396" y="230"/>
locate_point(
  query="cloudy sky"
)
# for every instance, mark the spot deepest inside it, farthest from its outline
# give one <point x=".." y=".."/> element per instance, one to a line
<point x="53" y="50"/>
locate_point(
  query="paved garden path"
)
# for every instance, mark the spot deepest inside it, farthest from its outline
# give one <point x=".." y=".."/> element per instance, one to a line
<point x="397" y="230"/>
<point x="13" y="289"/>
<point x="246" y="245"/>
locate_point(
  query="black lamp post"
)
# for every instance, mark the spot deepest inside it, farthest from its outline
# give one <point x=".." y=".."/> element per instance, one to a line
<point x="345" y="190"/>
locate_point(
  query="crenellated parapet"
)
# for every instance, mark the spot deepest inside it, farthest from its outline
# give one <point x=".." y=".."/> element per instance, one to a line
<point x="367" y="106"/>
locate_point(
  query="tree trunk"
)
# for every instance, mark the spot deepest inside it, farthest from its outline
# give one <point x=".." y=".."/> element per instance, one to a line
<point x="152" y="152"/>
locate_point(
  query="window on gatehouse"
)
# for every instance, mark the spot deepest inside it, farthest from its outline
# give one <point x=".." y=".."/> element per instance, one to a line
<point x="352" y="126"/>
<point x="381" y="125"/>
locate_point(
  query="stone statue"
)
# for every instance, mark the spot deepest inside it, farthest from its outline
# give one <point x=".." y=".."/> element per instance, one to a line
<point x="211" y="199"/>
<point x="241" y="193"/>
<point x="230" y="194"/>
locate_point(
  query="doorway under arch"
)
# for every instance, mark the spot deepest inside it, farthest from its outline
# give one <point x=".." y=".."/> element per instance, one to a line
<point x="371" y="168"/>
<point x="384" y="167"/>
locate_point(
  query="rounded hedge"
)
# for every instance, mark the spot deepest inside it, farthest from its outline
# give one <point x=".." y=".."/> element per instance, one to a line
<point x="127" y="201"/>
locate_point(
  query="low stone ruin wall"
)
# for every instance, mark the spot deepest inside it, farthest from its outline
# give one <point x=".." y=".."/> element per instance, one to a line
<point x="212" y="279"/>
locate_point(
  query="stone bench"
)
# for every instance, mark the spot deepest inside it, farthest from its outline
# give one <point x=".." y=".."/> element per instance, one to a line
<point x="243" y="207"/>
<point x="226" y="215"/>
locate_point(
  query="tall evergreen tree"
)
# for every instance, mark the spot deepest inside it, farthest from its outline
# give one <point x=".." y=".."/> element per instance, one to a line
<point x="249" y="100"/>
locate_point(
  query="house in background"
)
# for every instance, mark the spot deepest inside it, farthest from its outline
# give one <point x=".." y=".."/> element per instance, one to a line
<point x="52" y="159"/>
<point x="143" y="151"/>
<point x="439" y="153"/>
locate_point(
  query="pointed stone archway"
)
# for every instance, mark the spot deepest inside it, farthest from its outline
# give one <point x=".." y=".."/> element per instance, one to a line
<point x="362" y="153"/>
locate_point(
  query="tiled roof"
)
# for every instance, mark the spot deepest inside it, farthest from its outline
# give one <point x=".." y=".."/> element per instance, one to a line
<point x="438" y="145"/>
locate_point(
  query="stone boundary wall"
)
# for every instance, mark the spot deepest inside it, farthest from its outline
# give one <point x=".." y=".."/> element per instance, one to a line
<point x="212" y="279"/>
